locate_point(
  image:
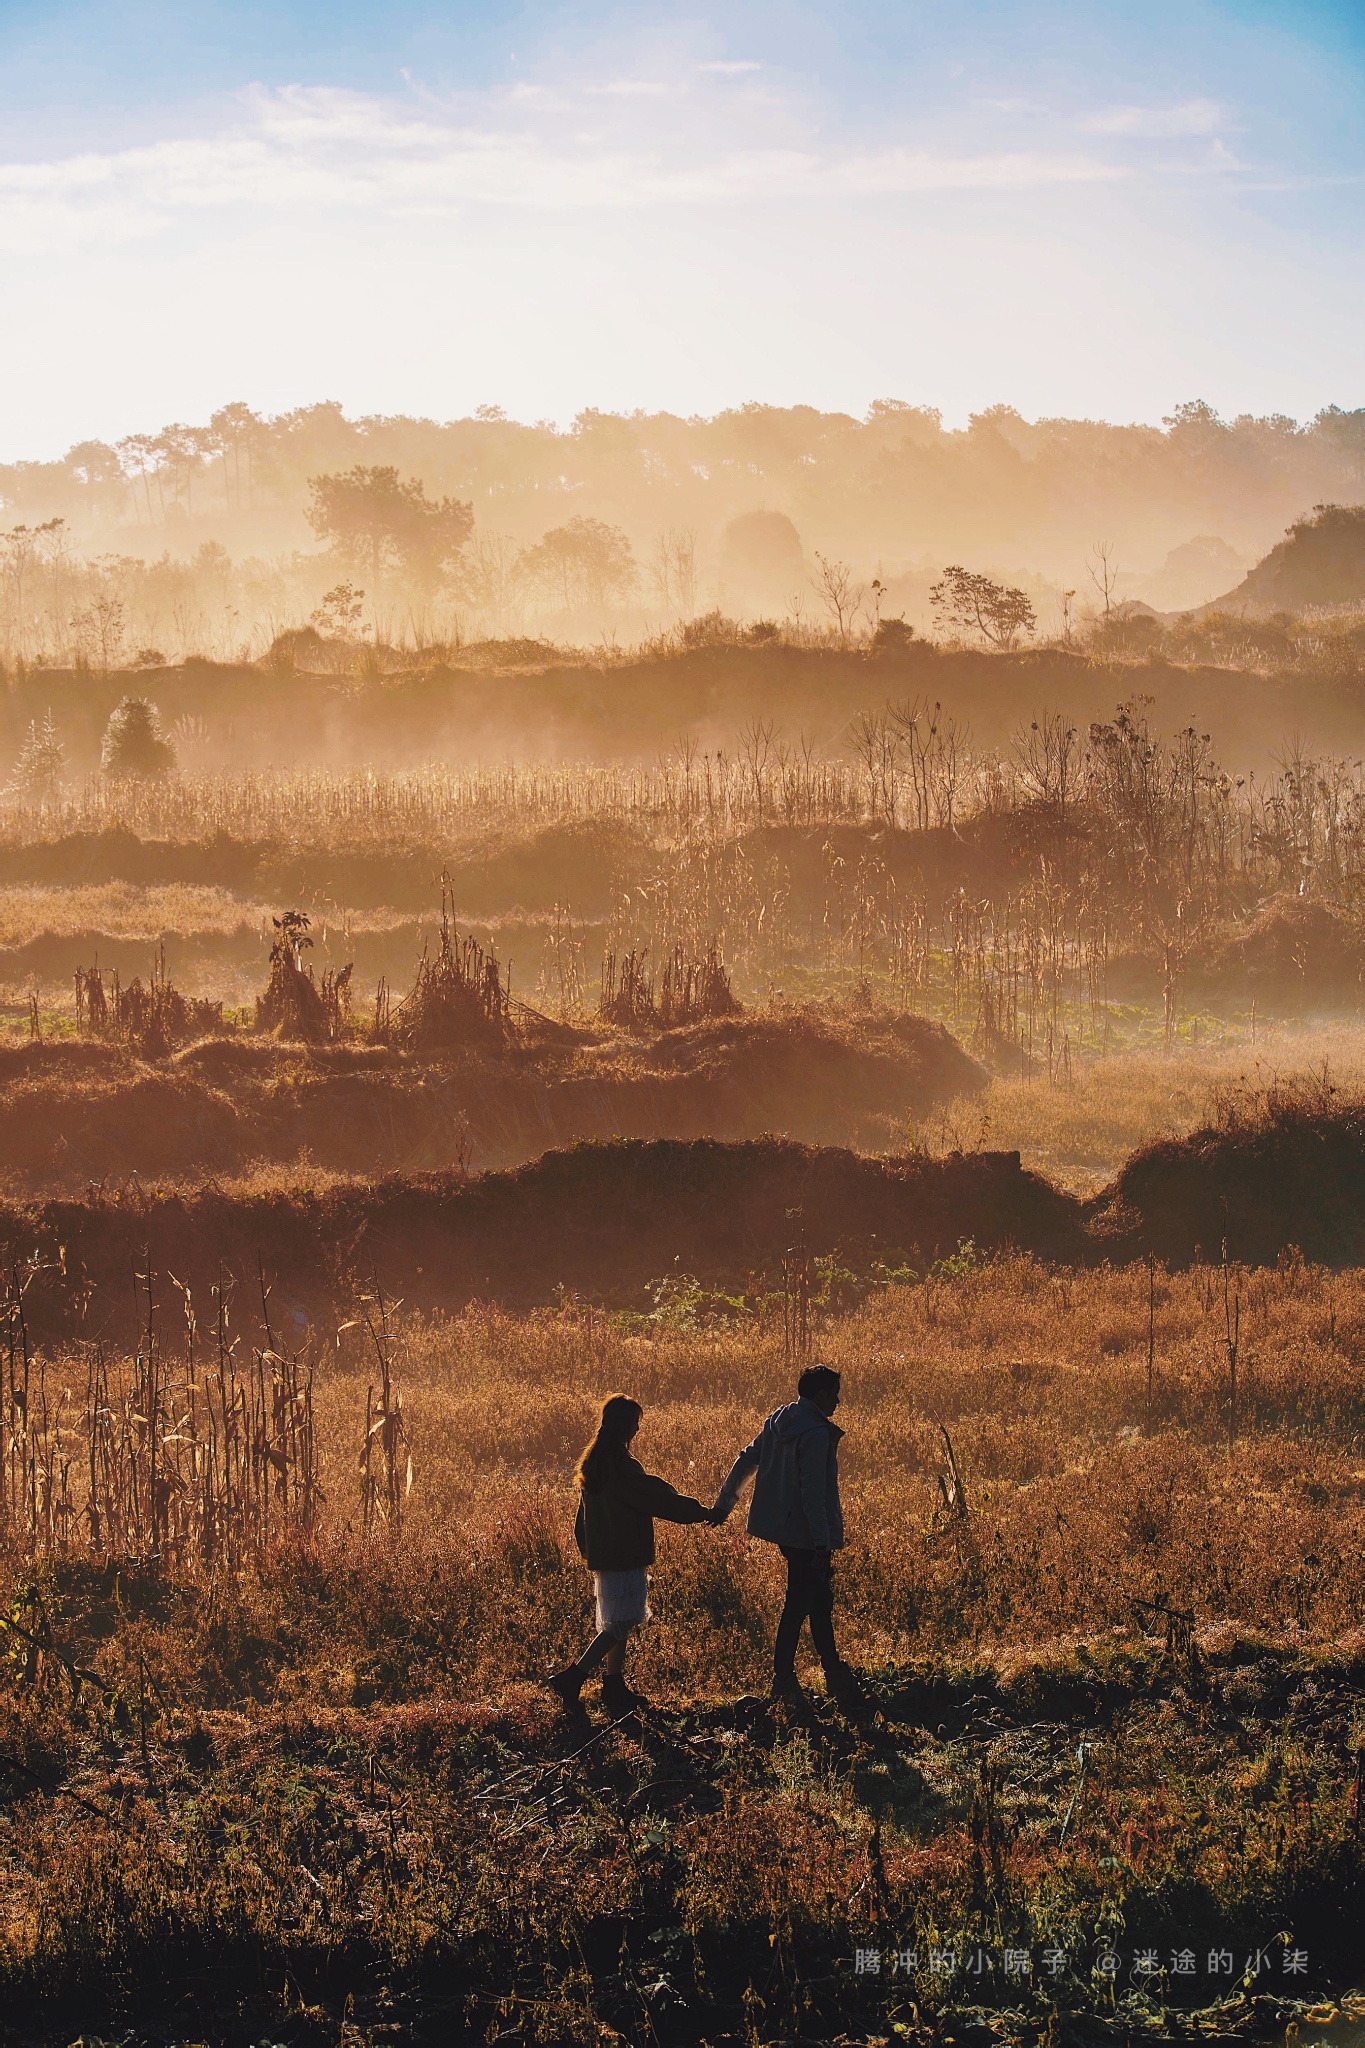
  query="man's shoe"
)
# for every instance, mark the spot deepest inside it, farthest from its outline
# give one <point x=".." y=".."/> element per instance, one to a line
<point x="786" y="1691"/>
<point x="617" y="1697"/>
<point x="567" y="1685"/>
<point x="845" y="1688"/>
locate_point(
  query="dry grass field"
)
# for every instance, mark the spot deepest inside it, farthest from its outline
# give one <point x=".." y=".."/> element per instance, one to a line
<point x="1116" y="1685"/>
<point x="1020" y="894"/>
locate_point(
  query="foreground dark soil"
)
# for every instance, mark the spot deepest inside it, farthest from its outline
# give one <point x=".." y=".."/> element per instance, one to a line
<point x="195" y="1848"/>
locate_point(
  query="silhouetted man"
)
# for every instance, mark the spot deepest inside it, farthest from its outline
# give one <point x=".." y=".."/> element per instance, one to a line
<point x="796" y="1506"/>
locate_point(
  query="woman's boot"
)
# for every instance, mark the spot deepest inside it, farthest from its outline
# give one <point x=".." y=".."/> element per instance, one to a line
<point x="568" y="1685"/>
<point x="617" y="1697"/>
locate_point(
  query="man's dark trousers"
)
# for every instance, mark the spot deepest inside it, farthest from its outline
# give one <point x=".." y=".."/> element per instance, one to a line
<point x="810" y="1597"/>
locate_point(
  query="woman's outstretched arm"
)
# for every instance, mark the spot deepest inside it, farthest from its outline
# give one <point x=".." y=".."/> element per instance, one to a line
<point x="650" y="1495"/>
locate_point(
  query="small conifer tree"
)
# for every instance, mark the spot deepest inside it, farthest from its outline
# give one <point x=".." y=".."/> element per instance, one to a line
<point x="133" y="741"/>
<point x="42" y="759"/>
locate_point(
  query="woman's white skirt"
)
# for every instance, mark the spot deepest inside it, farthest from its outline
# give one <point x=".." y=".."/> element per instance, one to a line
<point x="622" y="1601"/>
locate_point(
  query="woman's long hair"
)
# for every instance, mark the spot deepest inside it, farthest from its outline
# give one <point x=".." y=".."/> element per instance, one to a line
<point x="607" y="1451"/>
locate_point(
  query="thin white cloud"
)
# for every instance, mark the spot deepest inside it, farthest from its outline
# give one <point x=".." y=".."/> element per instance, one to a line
<point x="304" y="151"/>
<point x="891" y="171"/>
<point x="730" y="67"/>
<point x="632" y="89"/>
<point x="1191" y="117"/>
<point x="1219" y="157"/>
<point x="491" y="243"/>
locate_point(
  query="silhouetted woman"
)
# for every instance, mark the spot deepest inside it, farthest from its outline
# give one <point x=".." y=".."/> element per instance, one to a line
<point x="618" y="1505"/>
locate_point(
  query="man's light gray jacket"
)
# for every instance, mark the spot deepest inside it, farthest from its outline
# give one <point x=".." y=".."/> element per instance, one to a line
<point x="796" y="1493"/>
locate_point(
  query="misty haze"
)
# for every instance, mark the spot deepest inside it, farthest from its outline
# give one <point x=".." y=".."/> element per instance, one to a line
<point x="215" y="540"/>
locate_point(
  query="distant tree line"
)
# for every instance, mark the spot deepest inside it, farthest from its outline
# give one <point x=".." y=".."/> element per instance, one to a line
<point x="894" y="483"/>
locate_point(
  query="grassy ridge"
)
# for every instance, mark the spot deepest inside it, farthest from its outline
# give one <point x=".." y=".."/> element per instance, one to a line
<point x="74" y="1113"/>
<point x="619" y="708"/>
<point x="598" y="1220"/>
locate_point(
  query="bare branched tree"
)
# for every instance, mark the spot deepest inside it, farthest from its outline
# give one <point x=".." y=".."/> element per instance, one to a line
<point x="489" y="580"/>
<point x="1049" y="760"/>
<point x="875" y="739"/>
<point x="1103" y="570"/>
<point x="838" y="592"/>
<point x="755" y="745"/>
<point x="916" y="727"/>
<point x="98" y="631"/>
<point x="673" y="570"/>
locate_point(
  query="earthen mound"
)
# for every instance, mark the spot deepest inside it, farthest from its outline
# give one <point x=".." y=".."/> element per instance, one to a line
<point x="827" y="1077"/>
<point x="1283" y="1168"/>
<point x="75" y="1112"/>
<point x="596" y="1220"/>
<point x="1293" y="954"/>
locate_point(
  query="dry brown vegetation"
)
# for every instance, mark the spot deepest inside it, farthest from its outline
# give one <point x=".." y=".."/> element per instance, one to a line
<point x="329" y="1780"/>
<point x="1281" y="1168"/>
<point x="270" y="1730"/>
<point x="1016" y="893"/>
<point x="497" y="706"/>
<point x="76" y="1113"/>
<point x="1043" y="903"/>
<point x="1080" y="1127"/>
<point x="1107" y="1449"/>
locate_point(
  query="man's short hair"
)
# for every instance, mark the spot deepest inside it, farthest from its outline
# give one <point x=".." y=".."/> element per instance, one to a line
<point x="817" y="1380"/>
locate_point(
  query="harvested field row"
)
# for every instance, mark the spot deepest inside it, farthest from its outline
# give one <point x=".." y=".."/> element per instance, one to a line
<point x="602" y="1220"/>
<point x="828" y="1074"/>
<point x="225" y="961"/>
<point x="530" y="869"/>
<point x="1288" y="967"/>
<point x="955" y="919"/>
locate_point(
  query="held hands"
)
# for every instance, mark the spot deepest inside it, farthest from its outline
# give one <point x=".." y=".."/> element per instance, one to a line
<point x="717" y="1514"/>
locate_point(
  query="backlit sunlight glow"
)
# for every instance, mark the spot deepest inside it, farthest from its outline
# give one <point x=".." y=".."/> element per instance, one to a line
<point x="647" y="221"/>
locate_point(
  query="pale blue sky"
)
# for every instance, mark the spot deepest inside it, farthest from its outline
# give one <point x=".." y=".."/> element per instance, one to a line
<point x="1096" y="209"/>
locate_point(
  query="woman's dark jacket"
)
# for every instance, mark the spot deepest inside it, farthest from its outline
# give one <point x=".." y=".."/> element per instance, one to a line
<point x="615" y="1525"/>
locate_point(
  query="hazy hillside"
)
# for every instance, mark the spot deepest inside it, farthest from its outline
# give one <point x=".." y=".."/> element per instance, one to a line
<point x="1320" y="561"/>
<point x="239" y="717"/>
